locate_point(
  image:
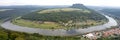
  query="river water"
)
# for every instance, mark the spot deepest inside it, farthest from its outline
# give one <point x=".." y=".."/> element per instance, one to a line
<point x="60" y="32"/>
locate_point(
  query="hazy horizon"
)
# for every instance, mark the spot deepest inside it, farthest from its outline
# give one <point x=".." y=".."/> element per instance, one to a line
<point x="111" y="3"/>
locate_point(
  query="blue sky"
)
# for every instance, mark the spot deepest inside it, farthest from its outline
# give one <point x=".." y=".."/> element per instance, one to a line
<point x="115" y="3"/>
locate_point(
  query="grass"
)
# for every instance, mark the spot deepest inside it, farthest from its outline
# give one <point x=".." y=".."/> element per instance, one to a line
<point x="63" y="9"/>
<point x="89" y="22"/>
<point x="2" y="10"/>
<point x="27" y="23"/>
<point x="53" y="25"/>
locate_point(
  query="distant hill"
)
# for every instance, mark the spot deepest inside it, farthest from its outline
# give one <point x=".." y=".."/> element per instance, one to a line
<point x="113" y="11"/>
<point x="81" y="6"/>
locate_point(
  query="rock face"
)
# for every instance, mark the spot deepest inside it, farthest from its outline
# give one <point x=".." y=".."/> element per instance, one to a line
<point x="81" y="6"/>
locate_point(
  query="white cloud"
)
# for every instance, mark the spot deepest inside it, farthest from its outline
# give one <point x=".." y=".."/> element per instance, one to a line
<point x="61" y="2"/>
<point x="102" y="2"/>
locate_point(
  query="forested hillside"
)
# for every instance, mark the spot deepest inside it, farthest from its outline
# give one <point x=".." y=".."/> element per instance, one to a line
<point x="64" y="15"/>
<point x="113" y="11"/>
<point x="61" y="18"/>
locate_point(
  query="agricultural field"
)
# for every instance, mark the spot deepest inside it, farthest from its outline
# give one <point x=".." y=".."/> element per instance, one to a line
<point x="2" y="10"/>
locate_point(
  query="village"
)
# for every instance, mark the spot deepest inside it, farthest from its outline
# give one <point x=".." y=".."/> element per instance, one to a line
<point x="107" y="33"/>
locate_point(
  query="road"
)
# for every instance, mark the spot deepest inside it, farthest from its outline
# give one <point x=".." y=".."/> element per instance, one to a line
<point x="60" y="32"/>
